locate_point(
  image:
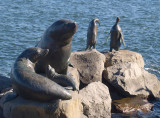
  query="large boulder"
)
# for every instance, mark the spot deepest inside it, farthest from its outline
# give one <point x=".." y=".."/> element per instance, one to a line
<point x="130" y="79"/>
<point x="96" y="101"/>
<point x="70" y="108"/>
<point x="90" y="65"/>
<point x="123" y="56"/>
<point x="23" y="108"/>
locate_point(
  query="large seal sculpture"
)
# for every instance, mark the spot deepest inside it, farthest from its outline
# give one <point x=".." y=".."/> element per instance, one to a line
<point x="57" y="38"/>
<point x="116" y="36"/>
<point x="30" y="85"/>
<point x="92" y="34"/>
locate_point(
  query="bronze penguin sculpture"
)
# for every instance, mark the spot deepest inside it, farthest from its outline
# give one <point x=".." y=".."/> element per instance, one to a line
<point x="92" y="34"/>
<point x="116" y="36"/>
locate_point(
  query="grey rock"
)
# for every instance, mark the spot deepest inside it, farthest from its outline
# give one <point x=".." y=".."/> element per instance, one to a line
<point x="96" y="101"/>
<point x="129" y="79"/>
<point x="90" y="65"/>
<point x="123" y="56"/>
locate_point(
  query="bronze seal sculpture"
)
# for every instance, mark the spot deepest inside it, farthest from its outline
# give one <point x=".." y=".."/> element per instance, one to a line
<point x="30" y="85"/>
<point x="57" y="38"/>
<point x="92" y="34"/>
<point x="116" y="36"/>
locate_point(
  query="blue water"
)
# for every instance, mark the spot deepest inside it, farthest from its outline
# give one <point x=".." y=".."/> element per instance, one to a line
<point x="22" y="23"/>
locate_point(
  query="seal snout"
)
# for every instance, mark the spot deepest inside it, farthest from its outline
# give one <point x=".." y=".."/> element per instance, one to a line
<point x="73" y="25"/>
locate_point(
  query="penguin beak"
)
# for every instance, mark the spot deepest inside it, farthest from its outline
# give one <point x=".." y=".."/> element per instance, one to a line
<point x="98" y="22"/>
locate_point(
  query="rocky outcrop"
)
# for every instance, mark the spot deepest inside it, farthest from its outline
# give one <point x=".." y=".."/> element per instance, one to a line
<point x="123" y="56"/>
<point x="129" y="79"/>
<point x="123" y="73"/>
<point x="90" y="65"/>
<point x="91" y="102"/>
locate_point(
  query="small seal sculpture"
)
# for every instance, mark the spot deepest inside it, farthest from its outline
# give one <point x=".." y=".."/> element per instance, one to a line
<point x="116" y="36"/>
<point x="63" y="80"/>
<point x="30" y="85"/>
<point x="92" y="34"/>
<point x="57" y="38"/>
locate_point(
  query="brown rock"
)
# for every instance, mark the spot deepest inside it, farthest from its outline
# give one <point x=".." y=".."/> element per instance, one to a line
<point x="123" y="56"/>
<point x="132" y="105"/>
<point x="70" y="108"/>
<point x="90" y="65"/>
<point x="22" y="108"/>
<point x="96" y="101"/>
<point x="129" y="79"/>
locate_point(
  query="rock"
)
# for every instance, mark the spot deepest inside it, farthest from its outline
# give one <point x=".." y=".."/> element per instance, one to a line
<point x="132" y="105"/>
<point x="74" y="73"/>
<point x="22" y="108"/>
<point x="123" y="56"/>
<point x="96" y="101"/>
<point x="4" y="83"/>
<point x="90" y="65"/>
<point x="70" y="108"/>
<point x="129" y="79"/>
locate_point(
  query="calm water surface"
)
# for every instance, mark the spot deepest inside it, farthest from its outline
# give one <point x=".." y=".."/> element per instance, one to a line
<point x="22" y="23"/>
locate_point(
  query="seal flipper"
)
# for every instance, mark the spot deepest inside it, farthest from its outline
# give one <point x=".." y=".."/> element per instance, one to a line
<point x="63" y="80"/>
<point x="9" y="97"/>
